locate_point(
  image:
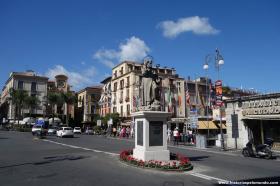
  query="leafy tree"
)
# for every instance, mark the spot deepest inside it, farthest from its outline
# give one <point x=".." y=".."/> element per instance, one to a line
<point x="69" y="98"/>
<point x="31" y="102"/>
<point x="18" y="97"/>
<point x="53" y="99"/>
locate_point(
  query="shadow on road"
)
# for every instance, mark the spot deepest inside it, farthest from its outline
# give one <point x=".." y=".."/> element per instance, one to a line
<point x="198" y="158"/>
<point x="48" y="160"/>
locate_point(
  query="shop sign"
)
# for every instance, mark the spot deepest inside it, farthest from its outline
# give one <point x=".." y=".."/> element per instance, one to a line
<point x="219" y="93"/>
<point x="261" y="107"/>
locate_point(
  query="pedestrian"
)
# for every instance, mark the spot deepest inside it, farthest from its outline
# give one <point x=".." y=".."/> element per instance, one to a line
<point x="127" y="132"/>
<point x="132" y="133"/>
<point x="169" y="134"/>
<point x="176" y="136"/>
<point x="114" y="131"/>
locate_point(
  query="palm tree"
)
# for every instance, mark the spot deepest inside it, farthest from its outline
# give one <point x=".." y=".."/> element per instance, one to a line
<point x="31" y="102"/>
<point x="17" y="98"/>
<point x="53" y="99"/>
<point x="69" y="98"/>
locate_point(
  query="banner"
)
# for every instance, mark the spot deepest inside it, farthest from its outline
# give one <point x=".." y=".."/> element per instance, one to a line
<point x="219" y="93"/>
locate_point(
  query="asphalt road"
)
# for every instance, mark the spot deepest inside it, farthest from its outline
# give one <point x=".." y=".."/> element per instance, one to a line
<point x="93" y="160"/>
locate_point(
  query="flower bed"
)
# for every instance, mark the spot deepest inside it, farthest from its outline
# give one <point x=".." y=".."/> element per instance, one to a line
<point x="177" y="162"/>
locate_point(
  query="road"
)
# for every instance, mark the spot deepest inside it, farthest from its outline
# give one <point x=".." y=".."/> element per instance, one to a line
<point x="93" y="160"/>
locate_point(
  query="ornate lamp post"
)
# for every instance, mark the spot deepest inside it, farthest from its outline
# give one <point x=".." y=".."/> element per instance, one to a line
<point x="206" y="67"/>
<point x="220" y="61"/>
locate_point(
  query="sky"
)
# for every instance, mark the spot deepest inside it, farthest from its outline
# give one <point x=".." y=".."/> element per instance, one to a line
<point x="84" y="39"/>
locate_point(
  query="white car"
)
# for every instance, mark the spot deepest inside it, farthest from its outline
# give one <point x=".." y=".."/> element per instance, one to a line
<point x="77" y="130"/>
<point x="52" y="131"/>
<point x="65" y="131"/>
<point x="38" y="130"/>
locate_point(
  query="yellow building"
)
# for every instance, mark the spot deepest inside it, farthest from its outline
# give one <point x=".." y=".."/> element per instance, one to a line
<point x="88" y="99"/>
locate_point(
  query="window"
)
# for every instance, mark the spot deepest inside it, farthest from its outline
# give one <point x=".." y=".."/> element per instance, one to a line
<point x="128" y="110"/>
<point x="121" y="111"/>
<point x="114" y="109"/>
<point x="127" y="82"/>
<point x="115" y="86"/>
<point x="20" y="85"/>
<point x="33" y="86"/>
<point x="122" y="84"/>
<point x="179" y="87"/>
<point x="115" y="74"/>
<point x="121" y="71"/>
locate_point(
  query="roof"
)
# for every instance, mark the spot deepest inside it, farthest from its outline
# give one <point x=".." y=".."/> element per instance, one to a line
<point x="28" y="74"/>
<point x="97" y="88"/>
<point x="107" y="79"/>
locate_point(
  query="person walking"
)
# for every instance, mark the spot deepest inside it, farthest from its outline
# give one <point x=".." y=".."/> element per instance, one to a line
<point x="176" y="136"/>
<point x="169" y="135"/>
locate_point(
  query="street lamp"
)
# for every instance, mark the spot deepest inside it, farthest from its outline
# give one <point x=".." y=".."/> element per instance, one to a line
<point x="220" y="61"/>
<point x="206" y="67"/>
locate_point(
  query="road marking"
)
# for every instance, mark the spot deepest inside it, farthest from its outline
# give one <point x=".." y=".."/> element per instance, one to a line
<point x="83" y="148"/>
<point x="206" y="177"/>
<point x="203" y="176"/>
<point x="203" y="150"/>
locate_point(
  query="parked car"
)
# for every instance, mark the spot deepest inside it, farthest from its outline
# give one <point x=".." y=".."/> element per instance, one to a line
<point x="77" y="130"/>
<point x="38" y="130"/>
<point x="65" y="132"/>
<point x="89" y="130"/>
<point x="52" y="131"/>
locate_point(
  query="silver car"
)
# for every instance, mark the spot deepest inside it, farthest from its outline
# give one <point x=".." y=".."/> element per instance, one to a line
<point x="65" y="132"/>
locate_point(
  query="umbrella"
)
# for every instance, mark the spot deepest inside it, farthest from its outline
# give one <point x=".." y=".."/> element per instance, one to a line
<point x="29" y="120"/>
<point x="56" y="120"/>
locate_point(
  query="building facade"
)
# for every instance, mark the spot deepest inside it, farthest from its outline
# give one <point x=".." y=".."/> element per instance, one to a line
<point x="254" y="117"/>
<point x="106" y="95"/>
<point x="88" y="101"/>
<point x="33" y="84"/>
<point x="125" y="88"/>
<point x="60" y="85"/>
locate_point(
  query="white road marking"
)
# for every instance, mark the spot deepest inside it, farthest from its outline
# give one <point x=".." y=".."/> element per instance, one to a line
<point x="206" y="177"/>
<point x="204" y="150"/>
<point x="203" y="176"/>
<point x="77" y="147"/>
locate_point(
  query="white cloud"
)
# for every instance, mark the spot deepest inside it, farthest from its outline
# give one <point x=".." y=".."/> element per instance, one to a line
<point x="197" y="25"/>
<point x="77" y="79"/>
<point x="133" y="49"/>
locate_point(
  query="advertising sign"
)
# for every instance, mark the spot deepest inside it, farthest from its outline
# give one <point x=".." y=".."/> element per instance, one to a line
<point x="99" y="122"/>
<point x="193" y="119"/>
<point x="219" y="93"/>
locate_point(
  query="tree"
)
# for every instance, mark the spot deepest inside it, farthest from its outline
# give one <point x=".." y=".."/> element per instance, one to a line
<point x="17" y="98"/>
<point x="69" y="98"/>
<point x="53" y="99"/>
<point x="31" y="102"/>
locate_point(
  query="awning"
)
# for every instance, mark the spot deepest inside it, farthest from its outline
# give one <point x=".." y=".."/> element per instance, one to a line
<point x="204" y="125"/>
<point x="262" y="117"/>
<point x="126" y="124"/>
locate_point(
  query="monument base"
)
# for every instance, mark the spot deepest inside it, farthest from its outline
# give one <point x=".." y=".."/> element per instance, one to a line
<point x="151" y="136"/>
<point x="162" y="155"/>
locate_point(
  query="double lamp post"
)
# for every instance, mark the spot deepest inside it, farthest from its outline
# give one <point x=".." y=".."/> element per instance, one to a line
<point x="219" y="60"/>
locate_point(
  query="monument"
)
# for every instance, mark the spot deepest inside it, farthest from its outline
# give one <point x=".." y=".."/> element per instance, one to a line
<point x="150" y="121"/>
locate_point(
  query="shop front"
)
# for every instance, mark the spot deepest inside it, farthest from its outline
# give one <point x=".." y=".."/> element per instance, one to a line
<point x="257" y="118"/>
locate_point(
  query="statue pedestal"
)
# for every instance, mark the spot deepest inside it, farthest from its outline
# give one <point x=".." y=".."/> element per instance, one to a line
<point x="151" y="135"/>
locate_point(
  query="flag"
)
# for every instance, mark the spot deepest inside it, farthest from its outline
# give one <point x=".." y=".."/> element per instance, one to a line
<point x="188" y="98"/>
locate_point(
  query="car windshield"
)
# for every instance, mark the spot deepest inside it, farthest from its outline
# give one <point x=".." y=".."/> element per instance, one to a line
<point x="77" y="128"/>
<point x="67" y="128"/>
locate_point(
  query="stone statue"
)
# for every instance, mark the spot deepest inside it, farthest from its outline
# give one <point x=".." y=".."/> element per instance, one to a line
<point x="150" y="82"/>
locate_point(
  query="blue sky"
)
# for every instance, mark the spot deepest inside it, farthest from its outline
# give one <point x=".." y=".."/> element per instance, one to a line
<point x="83" y="39"/>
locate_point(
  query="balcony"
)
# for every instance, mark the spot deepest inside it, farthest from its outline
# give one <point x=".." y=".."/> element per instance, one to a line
<point x="121" y="100"/>
<point x="127" y="99"/>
